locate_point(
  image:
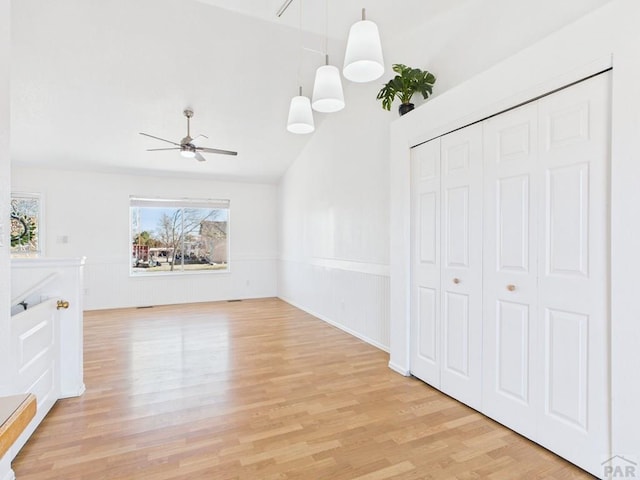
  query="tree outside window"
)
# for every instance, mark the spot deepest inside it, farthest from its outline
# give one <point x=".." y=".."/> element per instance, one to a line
<point x="175" y="236"/>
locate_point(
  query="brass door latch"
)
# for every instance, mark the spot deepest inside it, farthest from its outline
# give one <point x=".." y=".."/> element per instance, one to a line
<point x="62" y="304"/>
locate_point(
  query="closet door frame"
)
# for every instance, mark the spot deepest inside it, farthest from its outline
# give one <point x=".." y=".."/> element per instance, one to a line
<point x="588" y="47"/>
<point x="528" y="158"/>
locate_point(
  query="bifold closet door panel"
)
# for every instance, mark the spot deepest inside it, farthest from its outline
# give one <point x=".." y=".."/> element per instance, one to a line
<point x="461" y="269"/>
<point x="425" y="262"/>
<point x="510" y="392"/>
<point x="573" y="317"/>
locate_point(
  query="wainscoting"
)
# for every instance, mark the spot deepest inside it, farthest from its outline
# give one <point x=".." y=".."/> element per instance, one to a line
<point x="109" y="285"/>
<point x="349" y="295"/>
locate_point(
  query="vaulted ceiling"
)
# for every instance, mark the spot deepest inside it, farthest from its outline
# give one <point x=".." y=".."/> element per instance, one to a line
<point x="87" y="76"/>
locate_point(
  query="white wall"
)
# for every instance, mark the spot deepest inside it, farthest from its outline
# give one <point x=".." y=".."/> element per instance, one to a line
<point x="92" y="211"/>
<point x="334" y="210"/>
<point x="480" y="33"/>
<point x="5" y="182"/>
<point x="607" y="37"/>
<point x="334" y="200"/>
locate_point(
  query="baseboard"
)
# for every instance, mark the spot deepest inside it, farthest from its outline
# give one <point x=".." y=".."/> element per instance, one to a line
<point x="339" y="326"/>
<point x="72" y="394"/>
<point x="399" y="369"/>
<point x="6" y="473"/>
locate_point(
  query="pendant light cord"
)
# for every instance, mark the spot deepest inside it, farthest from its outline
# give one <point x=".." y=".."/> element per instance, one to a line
<point x="326" y="30"/>
<point x="300" y="39"/>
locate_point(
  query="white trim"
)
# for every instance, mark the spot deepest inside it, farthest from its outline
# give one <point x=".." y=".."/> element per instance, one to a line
<point x="47" y="262"/>
<point x="74" y="393"/>
<point x="157" y="202"/>
<point x="359" y="267"/>
<point x="369" y="268"/>
<point x="6" y="473"/>
<point x="399" y="369"/>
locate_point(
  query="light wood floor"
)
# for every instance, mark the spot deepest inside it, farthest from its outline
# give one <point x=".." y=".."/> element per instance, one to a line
<point x="260" y="390"/>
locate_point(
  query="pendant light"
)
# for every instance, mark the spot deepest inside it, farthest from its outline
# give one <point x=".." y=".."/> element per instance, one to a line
<point x="300" y="115"/>
<point x="327" y="89"/>
<point x="300" y="120"/>
<point x="363" y="60"/>
<point x="328" y="96"/>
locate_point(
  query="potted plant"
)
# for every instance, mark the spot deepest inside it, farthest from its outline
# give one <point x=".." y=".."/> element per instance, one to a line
<point x="404" y="85"/>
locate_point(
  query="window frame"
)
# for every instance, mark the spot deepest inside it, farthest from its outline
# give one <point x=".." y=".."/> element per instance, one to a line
<point x="173" y="202"/>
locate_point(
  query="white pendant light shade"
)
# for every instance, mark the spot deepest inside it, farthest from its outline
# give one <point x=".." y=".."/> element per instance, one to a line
<point x="327" y="90"/>
<point x="300" y="116"/>
<point x="363" y="60"/>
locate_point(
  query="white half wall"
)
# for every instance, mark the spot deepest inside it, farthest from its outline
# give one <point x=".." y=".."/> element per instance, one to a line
<point x="92" y="211"/>
<point x="334" y="210"/>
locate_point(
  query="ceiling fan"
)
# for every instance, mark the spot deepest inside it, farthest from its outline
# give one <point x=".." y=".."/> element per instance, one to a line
<point x="187" y="145"/>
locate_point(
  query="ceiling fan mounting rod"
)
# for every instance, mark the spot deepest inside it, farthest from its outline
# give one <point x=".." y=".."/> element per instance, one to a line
<point x="188" y="113"/>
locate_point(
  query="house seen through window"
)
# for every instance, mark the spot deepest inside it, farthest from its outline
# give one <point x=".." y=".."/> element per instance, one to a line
<point x="178" y="236"/>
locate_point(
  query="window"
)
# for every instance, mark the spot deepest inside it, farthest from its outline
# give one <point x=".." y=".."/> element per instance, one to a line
<point x="178" y="236"/>
<point x="26" y="234"/>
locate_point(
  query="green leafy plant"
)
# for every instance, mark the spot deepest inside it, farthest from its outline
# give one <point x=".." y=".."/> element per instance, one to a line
<point x="405" y="84"/>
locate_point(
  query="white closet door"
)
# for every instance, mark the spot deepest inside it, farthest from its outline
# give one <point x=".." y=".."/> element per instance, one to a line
<point x="461" y="269"/>
<point x="425" y="266"/>
<point x="510" y="391"/>
<point x="573" y="249"/>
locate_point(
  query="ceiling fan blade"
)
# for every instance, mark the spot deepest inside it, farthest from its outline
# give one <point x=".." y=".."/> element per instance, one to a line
<point x="161" y="139"/>
<point x="195" y="140"/>
<point x="161" y="149"/>
<point x="200" y="158"/>
<point x="216" y="150"/>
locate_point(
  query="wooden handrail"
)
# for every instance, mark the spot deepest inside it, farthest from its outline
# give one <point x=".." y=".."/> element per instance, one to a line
<point x="15" y="414"/>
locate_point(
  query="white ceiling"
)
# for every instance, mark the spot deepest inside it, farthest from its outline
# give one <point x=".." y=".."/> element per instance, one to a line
<point x="88" y="75"/>
<point x="391" y="17"/>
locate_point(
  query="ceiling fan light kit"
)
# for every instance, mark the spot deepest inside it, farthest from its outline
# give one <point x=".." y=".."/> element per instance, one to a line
<point x="187" y="153"/>
<point x="187" y="146"/>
